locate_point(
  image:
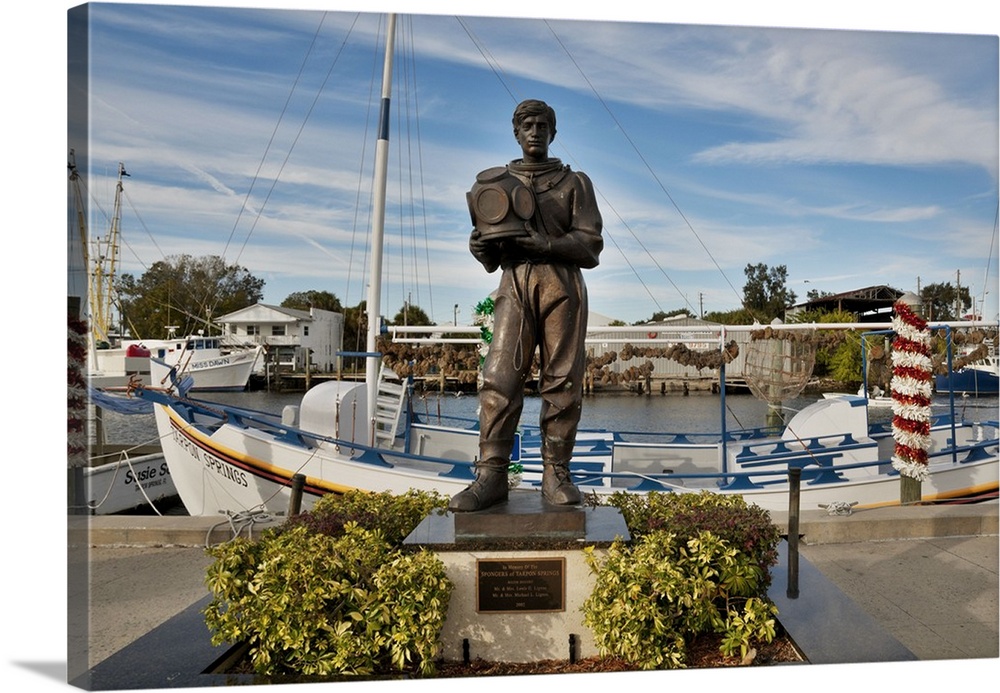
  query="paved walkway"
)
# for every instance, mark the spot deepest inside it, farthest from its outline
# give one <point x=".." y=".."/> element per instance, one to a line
<point x="132" y="591"/>
<point x="938" y="597"/>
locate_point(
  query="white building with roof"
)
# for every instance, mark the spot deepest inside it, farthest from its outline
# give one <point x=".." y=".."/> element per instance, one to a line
<point x="291" y="337"/>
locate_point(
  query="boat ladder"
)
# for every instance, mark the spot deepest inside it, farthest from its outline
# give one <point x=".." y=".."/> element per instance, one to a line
<point x="388" y="408"/>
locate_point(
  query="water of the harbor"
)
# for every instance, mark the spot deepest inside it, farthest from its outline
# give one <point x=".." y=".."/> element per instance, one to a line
<point x="694" y="413"/>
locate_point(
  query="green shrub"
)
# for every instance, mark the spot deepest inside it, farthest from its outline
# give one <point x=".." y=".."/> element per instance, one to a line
<point x="744" y="526"/>
<point x="345" y="601"/>
<point x="698" y="563"/>
<point x="394" y="516"/>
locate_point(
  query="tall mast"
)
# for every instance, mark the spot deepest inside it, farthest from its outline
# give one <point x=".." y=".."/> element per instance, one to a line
<point x="378" y="229"/>
<point x="105" y="267"/>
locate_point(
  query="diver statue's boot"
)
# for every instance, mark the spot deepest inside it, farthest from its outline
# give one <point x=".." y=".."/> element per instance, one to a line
<point x="489" y="488"/>
<point x="557" y="486"/>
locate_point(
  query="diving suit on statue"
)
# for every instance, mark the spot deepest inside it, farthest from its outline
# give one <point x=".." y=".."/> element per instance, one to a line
<point x="538" y="221"/>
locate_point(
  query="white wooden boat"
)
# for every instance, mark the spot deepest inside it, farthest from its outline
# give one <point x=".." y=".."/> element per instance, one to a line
<point x="121" y="481"/>
<point x="123" y="477"/>
<point x="213" y="366"/>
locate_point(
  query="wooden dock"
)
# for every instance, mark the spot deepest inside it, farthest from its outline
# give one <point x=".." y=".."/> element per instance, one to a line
<point x="653" y="385"/>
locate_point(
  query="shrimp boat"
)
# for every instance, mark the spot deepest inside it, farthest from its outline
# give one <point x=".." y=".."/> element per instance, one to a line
<point x="349" y="435"/>
<point x="214" y="366"/>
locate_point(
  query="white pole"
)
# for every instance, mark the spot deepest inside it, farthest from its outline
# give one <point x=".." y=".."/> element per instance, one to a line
<point x="378" y="228"/>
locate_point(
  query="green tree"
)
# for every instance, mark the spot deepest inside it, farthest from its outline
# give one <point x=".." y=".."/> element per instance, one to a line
<point x="186" y="292"/>
<point x="845" y="362"/>
<point x="660" y="316"/>
<point x="941" y="301"/>
<point x="738" y="316"/>
<point x="302" y="300"/>
<point x="355" y="334"/>
<point x="765" y="294"/>
<point x="411" y="315"/>
<point x="815" y="294"/>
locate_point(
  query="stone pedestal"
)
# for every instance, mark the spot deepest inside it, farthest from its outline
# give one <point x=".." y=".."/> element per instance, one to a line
<point x="520" y="577"/>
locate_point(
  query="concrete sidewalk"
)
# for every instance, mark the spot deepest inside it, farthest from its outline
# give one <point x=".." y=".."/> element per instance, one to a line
<point x="927" y="574"/>
<point x="937" y="597"/>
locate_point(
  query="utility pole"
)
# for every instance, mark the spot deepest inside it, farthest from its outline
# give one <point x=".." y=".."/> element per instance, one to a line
<point x="958" y="294"/>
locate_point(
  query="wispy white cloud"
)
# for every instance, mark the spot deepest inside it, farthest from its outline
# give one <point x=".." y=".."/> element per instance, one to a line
<point x="778" y="146"/>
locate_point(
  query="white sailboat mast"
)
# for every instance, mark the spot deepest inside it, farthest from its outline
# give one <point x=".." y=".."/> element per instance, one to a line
<point x="378" y="228"/>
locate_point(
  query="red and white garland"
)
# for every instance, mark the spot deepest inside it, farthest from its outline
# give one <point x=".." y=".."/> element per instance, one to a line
<point x="911" y="392"/>
<point x="76" y="396"/>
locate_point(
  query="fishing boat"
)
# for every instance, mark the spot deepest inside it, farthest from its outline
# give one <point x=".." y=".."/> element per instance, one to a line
<point x="109" y="477"/>
<point x="348" y="435"/>
<point x="122" y="482"/>
<point x="213" y="366"/>
<point x="123" y="478"/>
<point x="979" y="378"/>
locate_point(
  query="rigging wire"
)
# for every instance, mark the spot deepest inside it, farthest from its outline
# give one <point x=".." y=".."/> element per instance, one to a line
<point x="989" y="260"/>
<point x="361" y="176"/>
<point x="498" y="72"/>
<point x="295" y="139"/>
<point x="142" y="223"/>
<point x="493" y="63"/>
<point x="649" y="168"/>
<point x="420" y="175"/>
<point x="274" y="132"/>
<point x="408" y="121"/>
<point x="409" y="67"/>
<point x="501" y="77"/>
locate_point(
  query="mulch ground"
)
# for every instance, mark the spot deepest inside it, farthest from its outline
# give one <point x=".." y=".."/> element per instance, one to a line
<point x="701" y="654"/>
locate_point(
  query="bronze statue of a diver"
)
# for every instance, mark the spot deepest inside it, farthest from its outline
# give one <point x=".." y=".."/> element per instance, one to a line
<point x="538" y="221"/>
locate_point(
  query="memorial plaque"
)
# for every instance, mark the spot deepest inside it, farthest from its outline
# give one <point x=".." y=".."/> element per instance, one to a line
<point x="505" y="585"/>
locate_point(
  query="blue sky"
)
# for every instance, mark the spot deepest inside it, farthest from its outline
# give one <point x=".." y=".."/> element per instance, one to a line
<point x="852" y="157"/>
